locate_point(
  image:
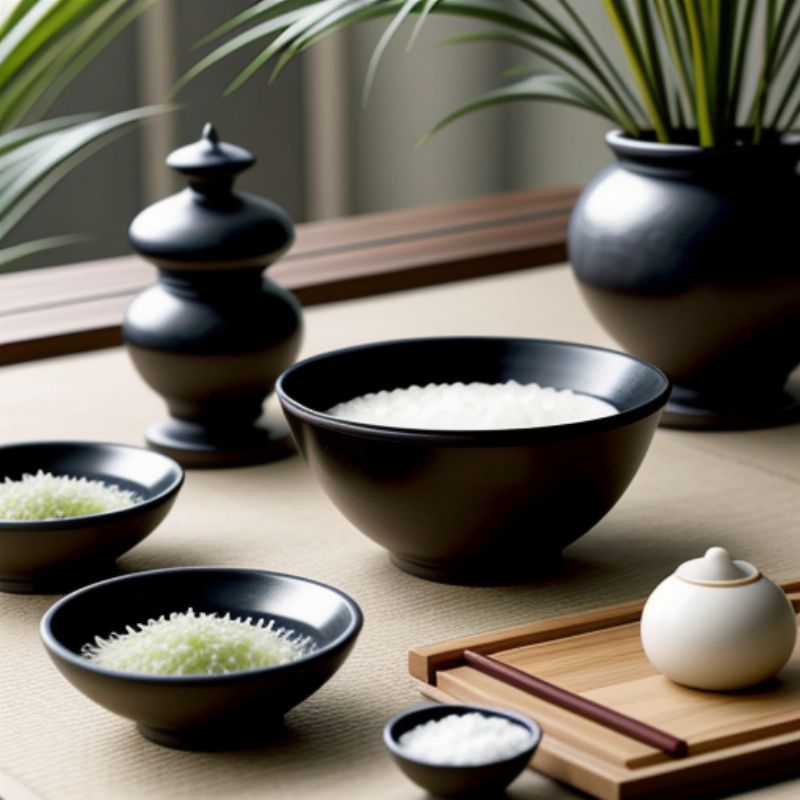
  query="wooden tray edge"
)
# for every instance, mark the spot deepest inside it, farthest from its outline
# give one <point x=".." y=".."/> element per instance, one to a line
<point x="425" y="661"/>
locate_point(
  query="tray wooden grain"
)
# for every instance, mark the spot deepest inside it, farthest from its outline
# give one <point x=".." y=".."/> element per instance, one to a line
<point x="735" y="739"/>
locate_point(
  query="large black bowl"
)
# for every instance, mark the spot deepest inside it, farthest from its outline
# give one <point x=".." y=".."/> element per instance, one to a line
<point x="473" y="506"/>
<point x="203" y="711"/>
<point x="51" y="555"/>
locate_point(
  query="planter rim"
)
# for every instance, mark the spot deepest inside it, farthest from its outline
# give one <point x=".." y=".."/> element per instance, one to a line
<point x="623" y="144"/>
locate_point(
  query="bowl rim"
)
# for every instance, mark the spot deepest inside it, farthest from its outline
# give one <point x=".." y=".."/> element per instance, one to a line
<point x="473" y="435"/>
<point x="102" y="517"/>
<point x="60" y="651"/>
<point x="446" y="709"/>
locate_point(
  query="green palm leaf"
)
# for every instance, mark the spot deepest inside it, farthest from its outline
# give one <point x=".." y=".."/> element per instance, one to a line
<point x="14" y="139"/>
<point x="521" y="42"/>
<point x="388" y="35"/>
<point x="300" y="36"/>
<point x="687" y="59"/>
<point x="10" y="256"/>
<point x="44" y="44"/>
<point x="257" y="13"/>
<point x="426" y="11"/>
<point x="87" y="42"/>
<point x="543" y="86"/>
<point x="260" y="31"/>
<point x="31" y="169"/>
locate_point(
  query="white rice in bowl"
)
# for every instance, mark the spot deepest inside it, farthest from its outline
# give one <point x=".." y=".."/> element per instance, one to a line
<point x="473" y="406"/>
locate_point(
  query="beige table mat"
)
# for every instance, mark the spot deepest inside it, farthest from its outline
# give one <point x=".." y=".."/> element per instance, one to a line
<point x="737" y="490"/>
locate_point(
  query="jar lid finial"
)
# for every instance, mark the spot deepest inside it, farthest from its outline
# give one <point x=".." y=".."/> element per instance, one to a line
<point x="210" y="159"/>
<point x="717" y="568"/>
<point x="210" y="133"/>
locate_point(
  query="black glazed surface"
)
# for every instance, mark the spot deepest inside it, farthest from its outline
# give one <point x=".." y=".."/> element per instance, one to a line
<point x="203" y="711"/>
<point x="214" y="333"/>
<point x="687" y="256"/>
<point x="485" y="780"/>
<point x="45" y="555"/>
<point x="473" y="506"/>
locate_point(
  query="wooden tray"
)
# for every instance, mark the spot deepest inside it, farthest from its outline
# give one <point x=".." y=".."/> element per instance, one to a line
<point x="734" y="738"/>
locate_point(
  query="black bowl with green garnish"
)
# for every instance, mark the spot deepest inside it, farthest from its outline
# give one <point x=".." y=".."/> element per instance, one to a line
<point x="51" y="555"/>
<point x="226" y="710"/>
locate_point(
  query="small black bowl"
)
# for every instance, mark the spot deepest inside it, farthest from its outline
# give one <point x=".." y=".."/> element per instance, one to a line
<point x="481" y="780"/>
<point x="52" y="555"/>
<point x="203" y="712"/>
<point x="474" y="506"/>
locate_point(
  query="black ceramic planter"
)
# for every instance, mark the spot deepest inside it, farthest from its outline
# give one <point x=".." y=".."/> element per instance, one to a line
<point x="213" y="335"/>
<point x="689" y="258"/>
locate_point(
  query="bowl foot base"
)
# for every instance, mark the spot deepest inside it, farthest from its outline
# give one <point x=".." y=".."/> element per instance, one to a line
<point x="509" y="570"/>
<point x="728" y="410"/>
<point x="59" y="582"/>
<point x="196" y="446"/>
<point x="215" y="738"/>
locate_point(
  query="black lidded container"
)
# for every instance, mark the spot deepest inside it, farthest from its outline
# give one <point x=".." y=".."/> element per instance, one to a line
<point x="214" y="333"/>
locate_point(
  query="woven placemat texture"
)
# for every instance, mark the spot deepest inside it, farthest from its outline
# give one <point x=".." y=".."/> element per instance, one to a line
<point x="740" y="491"/>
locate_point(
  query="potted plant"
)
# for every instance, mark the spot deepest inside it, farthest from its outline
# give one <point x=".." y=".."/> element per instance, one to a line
<point x="44" y="44"/>
<point x="685" y="249"/>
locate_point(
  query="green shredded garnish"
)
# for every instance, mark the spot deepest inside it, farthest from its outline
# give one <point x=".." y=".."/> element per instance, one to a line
<point x="45" y="496"/>
<point x="192" y="643"/>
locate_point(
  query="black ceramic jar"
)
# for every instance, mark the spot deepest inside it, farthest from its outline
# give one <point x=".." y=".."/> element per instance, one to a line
<point x="688" y="257"/>
<point x="213" y="334"/>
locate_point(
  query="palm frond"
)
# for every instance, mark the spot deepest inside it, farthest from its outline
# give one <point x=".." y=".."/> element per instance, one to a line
<point x="44" y="45"/>
<point x="606" y="64"/>
<point x="553" y="88"/>
<point x="96" y="33"/>
<point x="623" y="23"/>
<point x="676" y="39"/>
<point x="391" y="29"/>
<point x="34" y="159"/>
<point x="686" y="59"/>
<point x="12" y="255"/>
<point x="522" y="43"/>
<point x="260" y="31"/>
<point x="15" y="138"/>
<point x="427" y="10"/>
<point x="739" y="56"/>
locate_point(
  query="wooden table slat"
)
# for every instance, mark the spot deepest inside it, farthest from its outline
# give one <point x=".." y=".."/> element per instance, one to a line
<point x="79" y="307"/>
<point x="376" y="227"/>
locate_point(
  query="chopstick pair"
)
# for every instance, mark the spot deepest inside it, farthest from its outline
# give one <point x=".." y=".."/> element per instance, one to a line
<point x="641" y="731"/>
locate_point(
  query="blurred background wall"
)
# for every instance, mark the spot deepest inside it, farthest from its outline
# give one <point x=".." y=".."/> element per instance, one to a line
<point x="320" y="153"/>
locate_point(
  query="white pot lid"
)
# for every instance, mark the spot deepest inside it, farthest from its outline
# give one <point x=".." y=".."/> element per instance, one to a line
<point x="717" y="568"/>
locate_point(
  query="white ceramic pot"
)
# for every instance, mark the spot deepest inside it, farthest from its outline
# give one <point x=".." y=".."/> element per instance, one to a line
<point x="718" y="624"/>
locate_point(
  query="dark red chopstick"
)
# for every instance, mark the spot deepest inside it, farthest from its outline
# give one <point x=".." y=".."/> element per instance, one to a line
<point x="672" y="745"/>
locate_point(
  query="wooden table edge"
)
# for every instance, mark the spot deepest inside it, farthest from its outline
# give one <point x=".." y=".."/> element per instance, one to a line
<point x="78" y="308"/>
